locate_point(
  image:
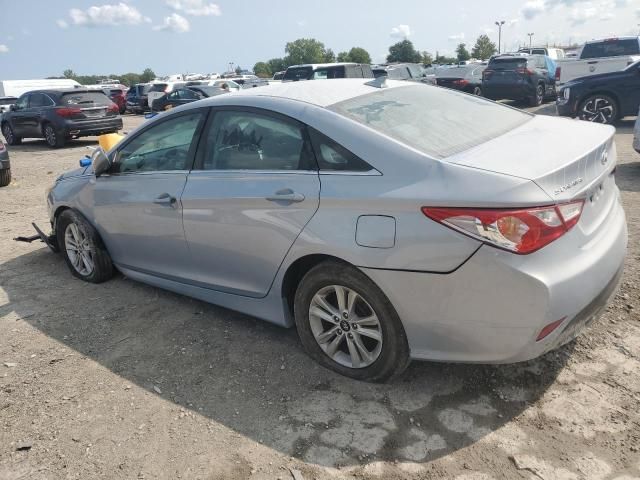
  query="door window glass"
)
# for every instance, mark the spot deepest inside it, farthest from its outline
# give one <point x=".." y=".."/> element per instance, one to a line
<point x="253" y="141"/>
<point x="162" y="147"/>
<point x="36" y="100"/>
<point x="22" y="102"/>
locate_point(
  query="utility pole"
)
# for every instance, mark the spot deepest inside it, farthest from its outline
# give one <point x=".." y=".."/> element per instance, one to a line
<point x="530" y="36"/>
<point x="500" y="24"/>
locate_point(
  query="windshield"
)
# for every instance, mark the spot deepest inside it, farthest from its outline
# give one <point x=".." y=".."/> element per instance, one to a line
<point x="300" y="73"/>
<point x="435" y="121"/>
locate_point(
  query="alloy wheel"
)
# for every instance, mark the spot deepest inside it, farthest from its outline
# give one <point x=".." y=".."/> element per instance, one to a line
<point x="540" y="94"/>
<point x="8" y="133"/>
<point x="598" y="110"/>
<point x="345" y="326"/>
<point x="78" y="249"/>
<point x="477" y="91"/>
<point x="50" y="135"/>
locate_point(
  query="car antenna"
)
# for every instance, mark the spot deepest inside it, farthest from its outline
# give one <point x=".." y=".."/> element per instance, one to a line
<point x="380" y="82"/>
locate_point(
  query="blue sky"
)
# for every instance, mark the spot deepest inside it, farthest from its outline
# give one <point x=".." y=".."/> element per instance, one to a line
<point x="39" y="38"/>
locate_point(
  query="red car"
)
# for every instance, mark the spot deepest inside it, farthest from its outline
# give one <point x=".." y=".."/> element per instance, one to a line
<point x="118" y="96"/>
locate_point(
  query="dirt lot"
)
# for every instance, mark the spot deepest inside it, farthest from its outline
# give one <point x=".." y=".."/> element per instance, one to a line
<point x="123" y="381"/>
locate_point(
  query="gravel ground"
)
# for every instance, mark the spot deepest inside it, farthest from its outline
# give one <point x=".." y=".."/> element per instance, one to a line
<point x="123" y="381"/>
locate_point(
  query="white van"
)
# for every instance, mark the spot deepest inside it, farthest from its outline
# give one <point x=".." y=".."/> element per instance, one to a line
<point x="15" y="88"/>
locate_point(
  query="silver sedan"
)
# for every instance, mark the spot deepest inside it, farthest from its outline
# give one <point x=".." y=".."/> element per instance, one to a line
<point x="386" y="221"/>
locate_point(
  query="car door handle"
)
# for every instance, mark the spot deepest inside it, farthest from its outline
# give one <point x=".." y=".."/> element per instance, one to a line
<point x="286" y="195"/>
<point x="165" y="199"/>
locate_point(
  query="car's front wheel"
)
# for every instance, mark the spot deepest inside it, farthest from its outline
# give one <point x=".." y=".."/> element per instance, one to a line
<point x="82" y="248"/>
<point x="599" y="109"/>
<point x="346" y="323"/>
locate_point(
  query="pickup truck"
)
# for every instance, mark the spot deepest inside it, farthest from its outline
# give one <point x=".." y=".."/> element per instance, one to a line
<point x="599" y="56"/>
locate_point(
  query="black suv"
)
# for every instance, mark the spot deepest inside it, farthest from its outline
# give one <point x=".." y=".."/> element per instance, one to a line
<point x="59" y="115"/>
<point x="137" y="99"/>
<point x="602" y="98"/>
<point x="515" y="77"/>
<point x="322" y="71"/>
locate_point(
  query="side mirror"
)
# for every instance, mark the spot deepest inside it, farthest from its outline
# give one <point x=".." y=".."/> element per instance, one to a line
<point x="101" y="163"/>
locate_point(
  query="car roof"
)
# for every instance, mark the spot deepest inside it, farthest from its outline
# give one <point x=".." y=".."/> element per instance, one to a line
<point x="62" y="91"/>
<point x="613" y="39"/>
<point x="322" y="65"/>
<point x="321" y="93"/>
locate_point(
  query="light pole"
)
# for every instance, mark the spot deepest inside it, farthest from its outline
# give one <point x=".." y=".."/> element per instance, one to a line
<point x="530" y="36"/>
<point x="500" y="24"/>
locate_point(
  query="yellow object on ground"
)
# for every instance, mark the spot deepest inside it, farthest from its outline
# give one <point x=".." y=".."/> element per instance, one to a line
<point x="109" y="140"/>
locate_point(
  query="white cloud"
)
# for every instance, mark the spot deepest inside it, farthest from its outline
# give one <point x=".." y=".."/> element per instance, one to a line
<point x="533" y="8"/>
<point x="3" y="48"/>
<point x="456" y="37"/>
<point x="578" y="16"/>
<point x="61" y="23"/>
<point x="107" y="16"/>
<point x="401" y="31"/>
<point x="607" y="16"/>
<point x="174" y="23"/>
<point x="195" y="8"/>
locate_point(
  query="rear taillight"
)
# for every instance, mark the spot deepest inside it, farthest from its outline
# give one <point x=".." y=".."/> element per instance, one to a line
<point x="524" y="71"/>
<point x="461" y="83"/>
<point x="521" y="231"/>
<point x="68" y="111"/>
<point x="113" y="108"/>
<point x="558" y="72"/>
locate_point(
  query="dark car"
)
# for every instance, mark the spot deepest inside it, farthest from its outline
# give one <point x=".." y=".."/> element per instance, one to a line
<point x="136" y="98"/>
<point x="466" y="78"/>
<point x="185" y="95"/>
<point x="5" y="166"/>
<point x="117" y="96"/>
<point x="602" y="98"/>
<point x="6" y="102"/>
<point x="322" y="71"/>
<point x="404" y="71"/>
<point x="517" y="77"/>
<point x="59" y="115"/>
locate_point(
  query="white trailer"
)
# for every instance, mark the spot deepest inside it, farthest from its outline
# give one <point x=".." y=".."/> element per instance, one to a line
<point x="15" y="88"/>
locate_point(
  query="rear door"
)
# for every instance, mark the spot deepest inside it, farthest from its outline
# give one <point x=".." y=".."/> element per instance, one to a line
<point x="254" y="188"/>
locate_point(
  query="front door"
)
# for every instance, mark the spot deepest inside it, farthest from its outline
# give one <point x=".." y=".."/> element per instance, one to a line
<point x="137" y="205"/>
<point x="252" y="192"/>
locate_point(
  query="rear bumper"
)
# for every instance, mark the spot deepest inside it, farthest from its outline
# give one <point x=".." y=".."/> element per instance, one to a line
<point x="508" y="91"/>
<point x="493" y="307"/>
<point x="85" y="128"/>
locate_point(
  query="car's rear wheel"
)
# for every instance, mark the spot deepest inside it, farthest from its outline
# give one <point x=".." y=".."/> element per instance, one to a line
<point x="9" y="135"/>
<point x="537" y="99"/>
<point x="477" y="91"/>
<point x="82" y="248"/>
<point x="5" y="177"/>
<point x="346" y="323"/>
<point x="53" y="138"/>
<point x="599" y="109"/>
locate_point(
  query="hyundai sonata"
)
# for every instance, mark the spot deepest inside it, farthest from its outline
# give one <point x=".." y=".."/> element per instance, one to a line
<point x="386" y="220"/>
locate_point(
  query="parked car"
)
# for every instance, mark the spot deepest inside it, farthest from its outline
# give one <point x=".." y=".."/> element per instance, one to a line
<point x="6" y="102"/>
<point x="602" y="98"/>
<point x="599" y="56"/>
<point x="636" y="134"/>
<point x="278" y="76"/>
<point x="519" y="77"/>
<point x="59" y="115"/>
<point x="185" y="95"/>
<point x="249" y="81"/>
<point x="220" y="83"/>
<point x="117" y="96"/>
<point x="414" y="72"/>
<point x="466" y="78"/>
<point x="137" y="98"/>
<point x="390" y="259"/>
<point x="158" y="89"/>
<point x="554" y="53"/>
<point x="5" y="166"/>
<point x="323" y="71"/>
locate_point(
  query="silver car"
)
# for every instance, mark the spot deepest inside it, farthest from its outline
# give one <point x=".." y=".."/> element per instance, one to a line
<point x="386" y="220"/>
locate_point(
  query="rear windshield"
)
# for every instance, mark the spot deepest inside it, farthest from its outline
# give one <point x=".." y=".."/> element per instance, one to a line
<point x="208" y="91"/>
<point x="507" y="63"/>
<point x="158" y="87"/>
<point x="7" y="101"/>
<point x="611" y="48"/>
<point x="85" y="99"/>
<point x="435" y="121"/>
<point x="301" y="73"/>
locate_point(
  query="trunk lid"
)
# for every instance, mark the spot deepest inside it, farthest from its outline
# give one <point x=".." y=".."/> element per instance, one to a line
<point x="567" y="159"/>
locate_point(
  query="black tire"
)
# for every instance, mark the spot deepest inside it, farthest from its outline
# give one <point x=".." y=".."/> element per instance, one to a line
<point x="393" y="358"/>
<point x="5" y="177"/>
<point x="598" y="108"/>
<point x="9" y="136"/>
<point x="538" y="97"/>
<point x="123" y="110"/>
<point x="54" y="139"/>
<point x="102" y="265"/>
<point x="477" y="90"/>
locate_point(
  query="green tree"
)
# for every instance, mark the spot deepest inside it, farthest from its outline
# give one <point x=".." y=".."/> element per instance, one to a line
<point x="329" y="56"/>
<point x="484" y="48"/>
<point x="427" y="59"/>
<point x="277" y="65"/>
<point x="403" y="51"/>
<point x="306" y="50"/>
<point x="359" y="55"/>
<point x="68" y="73"/>
<point x="147" y="75"/>
<point x="343" y="57"/>
<point x="443" y="60"/>
<point x="262" y="70"/>
<point x="462" y="52"/>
